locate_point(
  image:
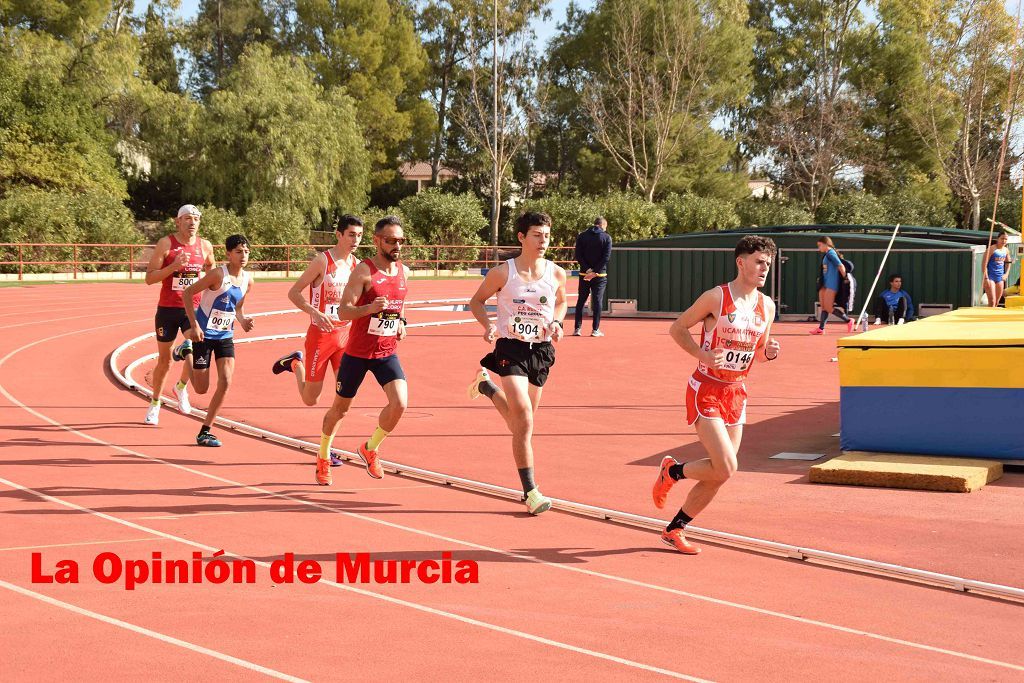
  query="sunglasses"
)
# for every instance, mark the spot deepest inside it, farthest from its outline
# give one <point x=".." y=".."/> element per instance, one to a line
<point x="394" y="240"/>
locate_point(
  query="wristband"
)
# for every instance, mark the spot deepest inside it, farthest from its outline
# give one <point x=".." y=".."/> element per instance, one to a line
<point x="404" y="321"/>
<point x="558" y="322"/>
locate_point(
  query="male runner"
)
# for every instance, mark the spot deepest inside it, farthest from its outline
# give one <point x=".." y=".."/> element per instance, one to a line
<point x="326" y="277"/>
<point x="374" y="301"/>
<point x="735" y="322"/>
<point x="223" y="291"/>
<point x="531" y="306"/>
<point x="177" y="262"/>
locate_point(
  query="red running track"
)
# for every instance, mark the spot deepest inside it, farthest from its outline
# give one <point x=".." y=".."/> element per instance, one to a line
<point x="558" y="596"/>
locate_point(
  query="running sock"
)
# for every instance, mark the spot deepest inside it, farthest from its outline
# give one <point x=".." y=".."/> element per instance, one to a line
<point x="205" y="429"/>
<point x="679" y="521"/>
<point x="526" y="476"/>
<point x="824" y="319"/>
<point x="325" y="446"/>
<point x="181" y="385"/>
<point x="841" y="314"/>
<point x="488" y="388"/>
<point x="378" y="436"/>
<point x="676" y="471"/>
<point x="155" y="402"/>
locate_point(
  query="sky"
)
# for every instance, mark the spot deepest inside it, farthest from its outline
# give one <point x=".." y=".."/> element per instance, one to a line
<point x="545" y="29"/>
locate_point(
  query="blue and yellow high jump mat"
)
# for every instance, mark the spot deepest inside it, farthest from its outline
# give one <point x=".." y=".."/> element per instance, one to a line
<point x="951" y="384"/>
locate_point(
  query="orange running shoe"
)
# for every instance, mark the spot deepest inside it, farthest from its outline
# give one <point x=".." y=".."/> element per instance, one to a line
<point x="369" y="457"/>
<point x="664" y="482"/>
<point x="676" y="539"/>
<point x="323" y="472"/>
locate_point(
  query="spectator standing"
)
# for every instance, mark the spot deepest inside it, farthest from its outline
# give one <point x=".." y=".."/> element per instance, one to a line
<point x="593" y="249"/>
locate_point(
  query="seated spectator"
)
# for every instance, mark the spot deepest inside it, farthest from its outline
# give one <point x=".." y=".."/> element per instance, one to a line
<point x="894" y="304"/>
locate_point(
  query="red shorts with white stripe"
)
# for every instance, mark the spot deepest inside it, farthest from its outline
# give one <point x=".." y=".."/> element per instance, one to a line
<point x="715" y="400"/>
<point x="323" y="349"/>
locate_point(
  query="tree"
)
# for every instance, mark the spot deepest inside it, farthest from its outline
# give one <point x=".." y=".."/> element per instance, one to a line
<point x="272" y="134"/>
<point x="158" y="42"/>
<point x="218" y="37"/>
<point x="51" y="136"/>
<point x="964" y="96"/>
<point x="370" y="47"/>
<point x="666" y="70"/>
<point x="809" y="113"/>
<point x="501" y="101"/>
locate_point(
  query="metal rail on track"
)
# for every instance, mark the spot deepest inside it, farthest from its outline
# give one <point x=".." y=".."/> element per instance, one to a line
<point x="784" y="550"/>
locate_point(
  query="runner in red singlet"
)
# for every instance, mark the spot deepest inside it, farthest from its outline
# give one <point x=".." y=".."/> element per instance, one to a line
<point x="735" y="320"/>
<point x="178" y="261"/>
<point x="326" y="277"/>
<point x="374" y="301"/>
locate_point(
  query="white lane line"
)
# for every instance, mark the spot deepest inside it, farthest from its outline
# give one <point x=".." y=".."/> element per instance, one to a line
<point x="527" y="558"/>
<point x="72" y="545"/>
<point x="199" y="649"/>
<point x="327" y="582"/>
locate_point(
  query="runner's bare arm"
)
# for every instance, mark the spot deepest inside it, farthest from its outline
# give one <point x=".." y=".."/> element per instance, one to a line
<point x="769" y="346"/>
<point x="357" y="284"/>
<point x="246" y="323"/>
<point x="493" y="281"/>
<point x="402" y="332"/>
<point x="155" y="272"/>
<point x="210" y="262"/>
<point x="561" y="306"/>
<point x="706" y="306"/>
<point x="211" y="280"/>
<point x="311" y="278"/>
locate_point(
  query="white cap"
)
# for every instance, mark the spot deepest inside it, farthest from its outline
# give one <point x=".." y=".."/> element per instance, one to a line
<point x="189" y="210"/>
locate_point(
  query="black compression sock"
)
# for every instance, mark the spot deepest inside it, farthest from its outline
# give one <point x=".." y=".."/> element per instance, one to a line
<point x="824" y="319"/>
<point x="679" y="521"/>
<point x="676" y="471"/>
<point x="488" y="388"/>
<point x="204" y="429"/>
<point x="526" y="477"/>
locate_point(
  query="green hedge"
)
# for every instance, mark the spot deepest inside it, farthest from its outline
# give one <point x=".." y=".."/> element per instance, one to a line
<point x="29" y="214"/>
<point x="691" y="213"/>
<point x="435" y="217"/>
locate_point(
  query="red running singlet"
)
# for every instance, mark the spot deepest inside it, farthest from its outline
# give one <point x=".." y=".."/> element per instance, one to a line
<point x="376" y="336"/>
<point x="175" y="283"/>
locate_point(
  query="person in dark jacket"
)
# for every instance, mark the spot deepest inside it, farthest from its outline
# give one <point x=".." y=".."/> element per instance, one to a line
<point x="593" y="249"/>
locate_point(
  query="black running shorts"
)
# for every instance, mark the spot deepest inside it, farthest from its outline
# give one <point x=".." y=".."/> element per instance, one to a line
<point x="218" y="348"/>
<point x="521" y="359"/>
<point x="353" y="370"/>
<point x="169" y="320"/>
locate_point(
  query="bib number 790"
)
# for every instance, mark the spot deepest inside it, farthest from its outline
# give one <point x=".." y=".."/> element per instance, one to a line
<point x="384" y="324"/>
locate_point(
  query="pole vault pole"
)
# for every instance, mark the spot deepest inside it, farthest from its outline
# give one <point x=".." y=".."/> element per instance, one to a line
<point x="862" y="320"/>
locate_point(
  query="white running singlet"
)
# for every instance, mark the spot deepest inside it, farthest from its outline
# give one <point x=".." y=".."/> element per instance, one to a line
<point x="527" y="309"/>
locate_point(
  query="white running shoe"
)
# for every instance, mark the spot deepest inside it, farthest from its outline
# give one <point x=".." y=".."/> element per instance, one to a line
<point x="474" y="388"/>
<point x="153" y="414"/>
<point x="184" y="407"/>
<point x="537" y="502"/>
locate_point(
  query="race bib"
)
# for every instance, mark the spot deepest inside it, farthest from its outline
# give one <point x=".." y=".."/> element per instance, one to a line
<point x="331" y="311"/>
<point x="179" y="281"/>
<point x="384" y="324"/>
<point x="527" y="328"/>
<point x="220" y="321"/>
<point x="738" y="361"/>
